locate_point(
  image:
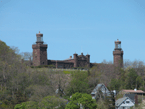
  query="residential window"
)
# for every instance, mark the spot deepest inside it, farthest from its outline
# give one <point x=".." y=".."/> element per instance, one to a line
<point x="127" y="101"/>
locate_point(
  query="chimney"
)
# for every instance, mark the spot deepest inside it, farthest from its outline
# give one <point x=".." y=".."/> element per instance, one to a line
<point x="136" y="99"/>
<point x="70" y="57"/>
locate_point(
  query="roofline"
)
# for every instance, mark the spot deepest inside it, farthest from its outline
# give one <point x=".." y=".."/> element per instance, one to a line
<point x="125" y="99"/>
<point x="132" y="90"/>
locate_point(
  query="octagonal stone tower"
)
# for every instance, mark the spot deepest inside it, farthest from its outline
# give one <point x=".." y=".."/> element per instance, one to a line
<point x="39" y="51"/>
<point x="118" y="54"/>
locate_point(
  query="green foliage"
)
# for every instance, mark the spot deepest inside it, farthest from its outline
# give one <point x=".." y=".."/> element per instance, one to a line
<point x="139" y="82"/>
<point x="79" y="99"/>
<point x="78" y="83"/>
<point x="128" y="79"/>
<point x="119" y="96"/>
<point x="44" y="66"/>
<point x="131" y="79"/>
<point x="27" y="105"/>
<point x="115" y="84"/>
<point x="77" y="67"/>
<point x="48" y="102"/>
<point x="34" y="88"/>
<point x="67" y="72"/>
<point x="51" y="102"/>
<point x="31" y="105"/>
<point x="102" y="105"/>
<point x="20" y="106"/>
<point x="3" y="105"/>
<point x="51" y="66"/>
<point x="80" y="67"/>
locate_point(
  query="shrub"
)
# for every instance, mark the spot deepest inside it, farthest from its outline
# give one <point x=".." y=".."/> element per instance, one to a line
<point x="81" y="100"/>
<point x="66" y="72"/>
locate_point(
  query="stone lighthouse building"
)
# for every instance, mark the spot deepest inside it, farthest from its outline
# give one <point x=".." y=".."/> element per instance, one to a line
<point x="40" y="57"/>
<point x="78" y="61"/>
<point x="118" y="54"/>
<point x="39" y="51"/>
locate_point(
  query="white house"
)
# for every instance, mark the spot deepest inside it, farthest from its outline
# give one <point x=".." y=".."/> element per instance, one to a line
<point x="100" y="87"/>
<point x="124" y="103"/>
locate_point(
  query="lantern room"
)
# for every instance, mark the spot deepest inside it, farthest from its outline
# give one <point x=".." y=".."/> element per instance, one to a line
<point x="118" y="44"/>
<point x="39" y="37"/>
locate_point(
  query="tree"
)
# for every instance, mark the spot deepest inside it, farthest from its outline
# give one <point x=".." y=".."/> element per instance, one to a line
<point x="139" y="82"/>
<point x="102" y="105"/>
<point x="10" y="67"/>
<point x="51" y="102"/>
<point x="79" y="99"/>
<point x="78" y="83"/>
<point x="27" y="58"/>
<point x="93" y="78"/>
<point x="131" y="79"/>
<point x="27" y="105"/>
<point x="115" y="84"/>
<point x="48" y="102"/>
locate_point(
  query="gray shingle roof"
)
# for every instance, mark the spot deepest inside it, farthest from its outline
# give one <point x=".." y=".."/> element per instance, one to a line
<point x="119" y="101"/>
<point x="101" y="86"/>
<point x="131" y="96"/>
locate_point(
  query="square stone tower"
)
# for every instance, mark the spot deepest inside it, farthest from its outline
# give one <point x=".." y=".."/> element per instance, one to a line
<point x="118" y="54"/>
<point x="39" y="51"/>
<point x="81" y="60"/>
<point x="75" y="60"/>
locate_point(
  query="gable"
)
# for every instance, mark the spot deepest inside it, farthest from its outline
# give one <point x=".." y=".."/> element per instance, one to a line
<point x="131" y="96"/>
<point x="100" y="87"/>
<point x="127" y="102"/>
<point x="103" y="88"/>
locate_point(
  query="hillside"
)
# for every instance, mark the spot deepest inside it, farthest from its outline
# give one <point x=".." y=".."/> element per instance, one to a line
<point x="21" y="85"/>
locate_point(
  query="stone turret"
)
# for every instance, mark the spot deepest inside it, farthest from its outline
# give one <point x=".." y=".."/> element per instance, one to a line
<point x="39" y="51"/>
<point x="118" y="54"/>
<point x="88" y="60"/>
<point x="75" y="60"/>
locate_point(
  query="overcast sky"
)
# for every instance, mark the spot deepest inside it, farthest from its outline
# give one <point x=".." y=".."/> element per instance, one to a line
<point x="69" y="26"/>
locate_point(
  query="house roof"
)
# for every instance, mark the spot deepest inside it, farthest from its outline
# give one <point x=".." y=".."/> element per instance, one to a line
<point x="133" y="91"/>
<point x="96" y="89"/>
<point x="131" y="96"/>
<point x="121" y="100"/>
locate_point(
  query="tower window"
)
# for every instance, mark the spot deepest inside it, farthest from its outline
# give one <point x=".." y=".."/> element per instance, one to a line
<point x="117" y="45"/>
<point x="39" y="39"/>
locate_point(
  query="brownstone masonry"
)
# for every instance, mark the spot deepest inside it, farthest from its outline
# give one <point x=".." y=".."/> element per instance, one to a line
<point x="39" y="51"/>
<point x="40" y="56"/>
<point x="118" y="54"/>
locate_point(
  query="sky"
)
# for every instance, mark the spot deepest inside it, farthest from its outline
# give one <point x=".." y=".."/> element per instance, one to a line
<point x="69" y="26"/>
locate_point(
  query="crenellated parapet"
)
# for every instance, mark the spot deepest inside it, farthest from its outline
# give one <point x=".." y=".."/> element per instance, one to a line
<point x="81" y="60"/>
<point x="40" y="56"/>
